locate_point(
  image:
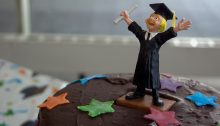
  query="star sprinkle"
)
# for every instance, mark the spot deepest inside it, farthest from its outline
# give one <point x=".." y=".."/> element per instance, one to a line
<point x="169" y="84"/>
<point x="218" y="123"/>
<point x="3" y="124"/>
<point x="200" y="99"/>
<point x="54" y="101"/>
<point x="1" y="83"/>
<point x="9" y="112"/>
<point x="14" y="80"/>
<point x="22" y="71"/>
<point x="85" y="80"/>
<point x="32" y="90"/>
<point x="14" y="66"/>
<point x="162" y="118"/>
<point x="29" y="123"/>
<point x="2" y="63"/>
<point x="96" y="107"/>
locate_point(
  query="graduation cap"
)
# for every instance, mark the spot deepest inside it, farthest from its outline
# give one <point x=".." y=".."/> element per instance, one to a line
<point x="163" y="10"/>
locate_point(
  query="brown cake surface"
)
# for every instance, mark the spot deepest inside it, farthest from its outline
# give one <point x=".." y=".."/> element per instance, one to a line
<point x="117" y="85"/>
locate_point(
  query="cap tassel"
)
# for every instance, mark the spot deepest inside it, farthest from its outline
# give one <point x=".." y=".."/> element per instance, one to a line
<point x="174" y="19"/>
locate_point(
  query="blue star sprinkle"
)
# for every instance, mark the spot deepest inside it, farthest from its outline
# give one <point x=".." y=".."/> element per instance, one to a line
<point x="85" y="80"/>
<point x="200" y="99"/>
<point x="14" y="80"/>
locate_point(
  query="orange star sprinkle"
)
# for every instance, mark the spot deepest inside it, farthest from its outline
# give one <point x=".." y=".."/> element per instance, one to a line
<point x="22" y="71"/>
<point x="53" y="101"/>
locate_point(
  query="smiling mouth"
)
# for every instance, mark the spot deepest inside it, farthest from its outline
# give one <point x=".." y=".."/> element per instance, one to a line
<point x="151" y="23"/>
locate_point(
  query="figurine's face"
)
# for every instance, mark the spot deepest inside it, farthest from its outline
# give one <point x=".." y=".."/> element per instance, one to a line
<point x="153" y="22"/>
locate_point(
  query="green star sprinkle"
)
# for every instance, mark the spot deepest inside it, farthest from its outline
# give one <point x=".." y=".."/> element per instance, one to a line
<point x="96" y="107"/>
<point x="2" y="124"/>
<point x="9" y="112"/>
<point x="1" y="83"/>
<point x="219" y="123"/>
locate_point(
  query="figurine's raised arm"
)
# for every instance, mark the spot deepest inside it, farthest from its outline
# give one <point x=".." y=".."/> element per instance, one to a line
<point x="126" y="17"/>
<point x="172" y="32"/>
<point x="182" y="25"/>
<point x="133" y="26"/>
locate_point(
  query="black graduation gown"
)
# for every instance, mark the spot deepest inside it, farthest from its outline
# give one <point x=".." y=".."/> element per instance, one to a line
<point x="147" y="68"/>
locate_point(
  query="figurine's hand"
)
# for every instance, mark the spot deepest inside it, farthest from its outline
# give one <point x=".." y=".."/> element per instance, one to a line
<point x="183" y="25"/>
<point x="124" y="14"/>
<point x="126" y="17"/>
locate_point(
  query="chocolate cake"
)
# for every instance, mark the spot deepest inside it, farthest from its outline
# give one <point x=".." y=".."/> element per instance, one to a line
<point x="117" y="85"/>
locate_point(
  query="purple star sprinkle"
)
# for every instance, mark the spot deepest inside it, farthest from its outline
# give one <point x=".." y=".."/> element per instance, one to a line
<point x="169" y="84"/>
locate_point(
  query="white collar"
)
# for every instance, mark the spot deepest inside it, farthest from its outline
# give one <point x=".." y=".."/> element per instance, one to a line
<point x="152" y="34"/>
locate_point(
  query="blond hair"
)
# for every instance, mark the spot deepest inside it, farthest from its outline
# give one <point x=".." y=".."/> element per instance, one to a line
<point x="163" y="25"/>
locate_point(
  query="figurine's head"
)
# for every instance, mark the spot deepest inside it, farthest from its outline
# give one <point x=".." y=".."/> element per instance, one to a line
<point x="157" y="21"/>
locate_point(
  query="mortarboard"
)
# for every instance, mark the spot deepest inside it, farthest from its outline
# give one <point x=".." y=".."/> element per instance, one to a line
<point x="163" y="10"/>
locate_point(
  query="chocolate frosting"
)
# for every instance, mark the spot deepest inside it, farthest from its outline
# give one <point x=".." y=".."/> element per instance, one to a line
<point x="117" y="85"/>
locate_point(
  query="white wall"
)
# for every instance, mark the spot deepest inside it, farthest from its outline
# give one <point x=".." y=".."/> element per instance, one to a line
<point x="66" y="59"/>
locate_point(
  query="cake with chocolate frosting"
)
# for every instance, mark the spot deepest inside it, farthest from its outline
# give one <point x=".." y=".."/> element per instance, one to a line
<point x="116" y="85"/>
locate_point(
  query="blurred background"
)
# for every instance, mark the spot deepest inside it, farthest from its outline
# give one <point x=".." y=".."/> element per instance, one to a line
<point x="70" y="38"/>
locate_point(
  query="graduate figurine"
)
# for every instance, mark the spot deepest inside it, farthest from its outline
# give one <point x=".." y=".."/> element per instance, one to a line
<point x="147" y="73"/>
